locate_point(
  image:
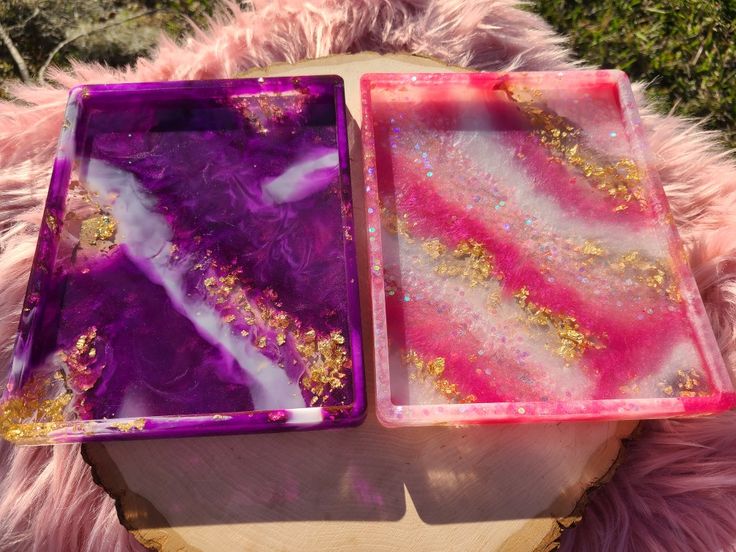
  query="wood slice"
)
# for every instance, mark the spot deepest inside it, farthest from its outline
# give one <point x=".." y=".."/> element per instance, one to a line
<point x="505" y="488"/>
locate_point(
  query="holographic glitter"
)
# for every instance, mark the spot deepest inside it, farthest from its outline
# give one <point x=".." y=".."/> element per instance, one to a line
<point x="530" y="269"/>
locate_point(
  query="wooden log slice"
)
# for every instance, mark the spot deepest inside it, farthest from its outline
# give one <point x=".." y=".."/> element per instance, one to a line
<point x="506" y="488"/>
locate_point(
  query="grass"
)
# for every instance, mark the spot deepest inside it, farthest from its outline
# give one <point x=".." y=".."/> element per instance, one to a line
<point x="115" y="32"/>
<point x="686" y="49"/>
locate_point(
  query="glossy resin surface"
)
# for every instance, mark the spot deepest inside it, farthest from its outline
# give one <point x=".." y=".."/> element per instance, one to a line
<point x="524" y="262"/>
<point x="195" y="271"/>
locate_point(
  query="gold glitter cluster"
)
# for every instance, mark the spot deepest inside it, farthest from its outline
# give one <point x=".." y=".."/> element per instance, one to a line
<point x="35" y="413"/>
<point x="619" y="180"/>
<point x="79" y="359"/>
<point x="431" y="372"/>
<point x="687" y="384"/>
<point x="573" y="341"/>
<point x="469" y="260"/>
<point x="651" y="273"/>
<point x="137" y="425"/>
<point x="326" y="358"/>
<point x="396" y="224"/>
<point x="52" y="223"/>
<point x="591" y="249"/>
<point x="261" y="109"/>
<point x="99" y="228"/>
<point x="40" y="408"/>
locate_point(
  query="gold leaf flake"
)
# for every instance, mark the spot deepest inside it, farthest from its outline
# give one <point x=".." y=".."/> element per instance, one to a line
<point x="135" y="425"/>
<point x="619" y="180"/>
<point x="430" y="372"/>
<point x="573" y="341"/>
<point x="434" y="248"/>
<point x="38" y="410"/>
<point x="99" y="228"/>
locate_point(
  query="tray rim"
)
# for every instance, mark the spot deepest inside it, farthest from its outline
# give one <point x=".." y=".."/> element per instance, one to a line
<point x="392" y="414"/>
<point x="143" y="427"/>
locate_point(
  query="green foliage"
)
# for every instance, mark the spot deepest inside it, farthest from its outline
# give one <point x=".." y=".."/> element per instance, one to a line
<point x="115" y="32"/>
<point x="686" y="48"/>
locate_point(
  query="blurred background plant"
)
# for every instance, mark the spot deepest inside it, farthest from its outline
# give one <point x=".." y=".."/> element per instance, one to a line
<point x="684" y="48"/>
<point x="38" y="33"/>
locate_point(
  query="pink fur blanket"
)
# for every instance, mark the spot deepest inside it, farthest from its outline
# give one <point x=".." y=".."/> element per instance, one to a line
<point x="676" y="489"/>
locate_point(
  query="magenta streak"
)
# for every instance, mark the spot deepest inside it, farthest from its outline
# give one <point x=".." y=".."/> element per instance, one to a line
<point x="416" y="325"/>
<point x="571" y="190"/>
<point x="614" y="365"/>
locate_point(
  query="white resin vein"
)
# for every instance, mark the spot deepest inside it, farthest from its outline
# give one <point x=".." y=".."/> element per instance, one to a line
<point x="304" y="178"/>
<point x="147" y="239"/>
<point x="471" y="310"/>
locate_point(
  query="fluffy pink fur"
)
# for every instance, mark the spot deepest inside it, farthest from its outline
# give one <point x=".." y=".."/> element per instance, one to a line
<point x="677" y="487"/>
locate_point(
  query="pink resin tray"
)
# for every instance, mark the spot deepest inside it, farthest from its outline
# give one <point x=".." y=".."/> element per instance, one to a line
<point x="524" y="262"/>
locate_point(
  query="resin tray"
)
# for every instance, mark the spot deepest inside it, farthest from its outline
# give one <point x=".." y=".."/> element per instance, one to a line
<point x="195" y="271"/>
<point x="524" y="262"/>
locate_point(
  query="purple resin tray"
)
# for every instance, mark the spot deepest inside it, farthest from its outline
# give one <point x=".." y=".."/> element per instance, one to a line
<point x="195" y="271"/>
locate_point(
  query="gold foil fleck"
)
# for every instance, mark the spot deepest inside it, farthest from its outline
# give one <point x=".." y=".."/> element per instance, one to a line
<point x="632" y="389"/>
<point x="78" y="361"/>
<point x="430" y="372"/>
<point x="493" y="300"/>
<point x="34" y="413"/>
<point x="592" y="248"/>
<point x="478" y="260"/>
<point x="434" y="248"/>
<point x="135" y="425"/>
<point x="688" y="384"/>
<point x="652" y="273"/>
<point x="326" y="360"/>
<point x="52" y="223"/>
<point x="436" y="367"/>
<point x="327" y="364"/>
<point x="673" y="293"/>
<point x="100" y="228"/>
<point x="573" y="341"/>
<point x="469" y="260"/>
<point x="396" y="224"/>
<point x="619" y="180"/>
<point x="279" y="320"/>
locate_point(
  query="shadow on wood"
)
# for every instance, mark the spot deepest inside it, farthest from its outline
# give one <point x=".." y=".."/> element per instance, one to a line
<point x="435" y="488"/>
